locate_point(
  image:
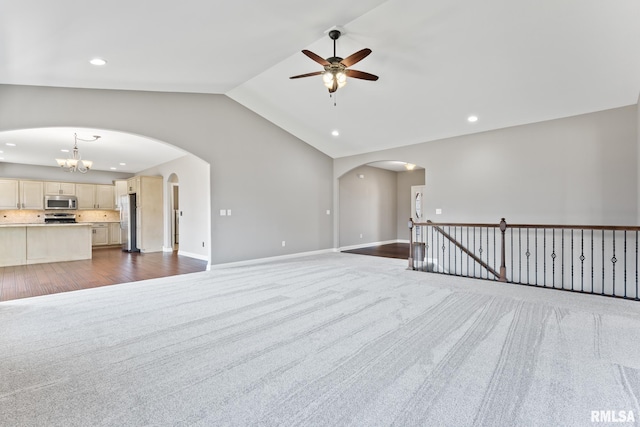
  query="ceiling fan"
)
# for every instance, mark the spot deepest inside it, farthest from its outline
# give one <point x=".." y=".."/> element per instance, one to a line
<point x="336" y="69"/>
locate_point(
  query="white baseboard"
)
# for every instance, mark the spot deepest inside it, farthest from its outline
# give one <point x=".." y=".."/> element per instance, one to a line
<point x="166" y="249"/>
<point x="268" y="259"/>
<point x="366" y="245"/>
<point x="192" y="255"/>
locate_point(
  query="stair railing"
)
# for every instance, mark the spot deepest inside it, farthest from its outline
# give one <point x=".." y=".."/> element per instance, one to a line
<point x="596" y="259"/>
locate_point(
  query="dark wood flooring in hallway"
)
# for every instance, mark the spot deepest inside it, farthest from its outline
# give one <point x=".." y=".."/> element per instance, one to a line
<point x="392" y="250"/>
<point x="109" y="266"/>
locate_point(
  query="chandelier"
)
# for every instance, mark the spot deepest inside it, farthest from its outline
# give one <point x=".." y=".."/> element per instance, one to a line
<point x="75" y="163"/>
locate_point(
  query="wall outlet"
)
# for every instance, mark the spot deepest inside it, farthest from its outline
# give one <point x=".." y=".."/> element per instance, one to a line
<point x="284" y="243"/>
<point x="438" y="211"/>
<point x="328" y="212"/>
<point x="361" y="235"/>
<point x="223" y="212"/>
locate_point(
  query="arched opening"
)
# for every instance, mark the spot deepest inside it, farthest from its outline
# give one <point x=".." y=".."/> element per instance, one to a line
<point x="173" y="200"/>
<point x="375" y="203"/>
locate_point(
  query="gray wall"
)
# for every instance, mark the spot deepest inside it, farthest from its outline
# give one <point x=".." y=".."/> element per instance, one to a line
<point x="405" y="181"/>
<point x="277" y="187"/>
<point x="368" y="206"/>
<point x="580" y="170"/>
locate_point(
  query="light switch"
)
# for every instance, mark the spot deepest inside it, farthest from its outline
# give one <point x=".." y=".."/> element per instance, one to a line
<point x="328" y="212"/>
<point x="228" y="212"/>
<point x="223" y="212"/>
<point x="438" y="211"/>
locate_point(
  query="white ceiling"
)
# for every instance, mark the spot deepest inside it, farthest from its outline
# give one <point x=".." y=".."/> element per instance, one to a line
<point x="439" y="61"/>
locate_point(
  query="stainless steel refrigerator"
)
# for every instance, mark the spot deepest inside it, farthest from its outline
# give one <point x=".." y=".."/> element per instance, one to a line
<point x="128" y="223"/>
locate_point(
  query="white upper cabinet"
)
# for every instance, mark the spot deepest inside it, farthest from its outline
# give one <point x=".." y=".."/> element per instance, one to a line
<point x="9" y="194"/>
<point x="31" y="195"/>
<point x="65" y="188"/>
<point x="95" y="196"/>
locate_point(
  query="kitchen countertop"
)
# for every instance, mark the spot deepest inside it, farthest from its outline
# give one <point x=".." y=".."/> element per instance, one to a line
<point x="73" y="224"/>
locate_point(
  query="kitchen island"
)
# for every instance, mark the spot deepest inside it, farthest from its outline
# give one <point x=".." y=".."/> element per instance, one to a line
<point x="40" y="243"/>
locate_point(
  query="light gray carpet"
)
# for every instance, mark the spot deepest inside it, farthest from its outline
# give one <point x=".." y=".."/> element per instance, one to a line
<point x="329" y="340"/>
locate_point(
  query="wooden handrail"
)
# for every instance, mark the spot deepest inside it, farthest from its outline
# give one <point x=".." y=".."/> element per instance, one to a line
<point x="462" y="248"/>
<point x="538" y="226"/>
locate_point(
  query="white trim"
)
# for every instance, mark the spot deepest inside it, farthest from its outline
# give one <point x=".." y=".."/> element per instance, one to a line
<point x="403" y="241"/>
<point x="166" y="249"/>
<point x="192" y="255"/>
<point x="269" y="259"/>
<point x="366" y="245"/>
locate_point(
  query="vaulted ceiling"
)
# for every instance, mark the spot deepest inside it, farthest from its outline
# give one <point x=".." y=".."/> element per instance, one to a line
<point x="439" y="61"/>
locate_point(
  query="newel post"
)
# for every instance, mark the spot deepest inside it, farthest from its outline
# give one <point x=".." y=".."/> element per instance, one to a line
<point x="503" y="266"/>
<point x="410" y="267"/>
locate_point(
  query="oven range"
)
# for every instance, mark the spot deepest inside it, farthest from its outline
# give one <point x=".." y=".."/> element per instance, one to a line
<point x="59" y="218"/>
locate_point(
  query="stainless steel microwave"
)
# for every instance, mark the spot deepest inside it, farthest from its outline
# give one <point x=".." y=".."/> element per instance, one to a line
<point x="60" y="202"/>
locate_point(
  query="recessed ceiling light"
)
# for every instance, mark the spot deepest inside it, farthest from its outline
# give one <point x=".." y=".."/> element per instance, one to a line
<point x="98" y="61"/>
<point x="11" y="144"/>
<point x="123" y="164"/>
<point x="1" y="151"/>
<point x="472" y="119"/>
<point x="112" y="168"/>
<point x="64" y="150"/>
<point x="335" y="133"/>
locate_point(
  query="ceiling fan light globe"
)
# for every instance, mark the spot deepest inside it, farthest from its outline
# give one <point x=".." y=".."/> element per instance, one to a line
<point x="341" y="77"/>
<point x="327" y="79"/>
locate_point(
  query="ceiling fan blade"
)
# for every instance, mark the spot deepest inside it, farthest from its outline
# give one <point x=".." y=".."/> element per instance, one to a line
<point x="315" y="73"/>
<point x="320" y="60"/>
<point x="356" y="57"/>
<point x="361" y="75"/>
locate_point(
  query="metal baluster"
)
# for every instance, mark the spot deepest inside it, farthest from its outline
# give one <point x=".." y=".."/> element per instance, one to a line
<point x="487" y="261"/>
<point x="528" y="254"/>
<point x="480" y="250"/>
<point x="474" y="251"/>
<point x="625" y="263"/>
<point x="562" y="260"/>
<point x="592" y="262"/>
<point x="553" y="258"/>
<point x="571" y="259"/>
<point x="637" y="298"/>
<point x="494" y="250"/>
<point x="455" y="261"/>
<point x="602" y="290"/>
<point x="535" y="230"/>
<point x="582" y="260"/>
<point x="448" y="251"/>
<point x="613" y="261"/>
<point x="544" y="257"/>
<point x="468" y="255"/>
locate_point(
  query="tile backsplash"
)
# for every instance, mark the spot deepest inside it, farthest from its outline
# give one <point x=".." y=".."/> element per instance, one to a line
<point x="26" y="216"/>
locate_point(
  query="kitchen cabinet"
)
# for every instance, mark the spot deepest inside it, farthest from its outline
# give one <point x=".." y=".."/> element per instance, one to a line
<point x="65" y="188"/>
<point x="16" y="194"/>
<point x="114" y="233"/>
<point x="95" y="196"/>
<point x="9" y="194"/>
<point x="100" y="234"/>
<point x="120" y="189"/>
<point x="133" y="185"/>
<point x="31" y="195"/>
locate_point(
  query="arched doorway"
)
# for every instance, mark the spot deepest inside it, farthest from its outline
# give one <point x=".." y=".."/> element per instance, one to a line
<point x="173" y="199"/>
<point x="375" y="203"/>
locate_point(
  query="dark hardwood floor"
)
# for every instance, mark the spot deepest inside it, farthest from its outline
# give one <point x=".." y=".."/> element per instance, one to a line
<point x="392" y="250"/>
<point x="109" y="266"/>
